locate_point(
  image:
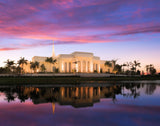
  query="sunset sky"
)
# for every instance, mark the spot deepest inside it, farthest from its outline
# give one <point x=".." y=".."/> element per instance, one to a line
<point x="126" y="30"/>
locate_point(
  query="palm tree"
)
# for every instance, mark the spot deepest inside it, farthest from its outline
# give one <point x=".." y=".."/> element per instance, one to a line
<point x="118" y="68"/>
<point x="43" y="68"/>
<point x="14" y="68"/>
<point x="37" y="65"/>
<point x="34" y="66"/>
<point x="114" y="61"/>
<point x="9" y="64"/>
<point x="51" y="61"/>
<point x="123" y="65"/>
<point x="150" y="69"/>
<point x="136" y="64"/>
<point x="147" y="69"/>
<point x="108" y="63"/>
<point x="128" y="65"/>
<point x="18" y="69"/>
<point x="21" y="62"/>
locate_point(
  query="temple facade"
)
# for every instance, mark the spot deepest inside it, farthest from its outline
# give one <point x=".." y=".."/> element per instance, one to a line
<point x="80" y="62"/>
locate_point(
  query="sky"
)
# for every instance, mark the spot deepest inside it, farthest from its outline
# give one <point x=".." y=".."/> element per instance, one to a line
<point x="112" y="29"/>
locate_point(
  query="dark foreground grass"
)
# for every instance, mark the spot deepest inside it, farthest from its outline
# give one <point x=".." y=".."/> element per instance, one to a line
<point x="40" y="80"/>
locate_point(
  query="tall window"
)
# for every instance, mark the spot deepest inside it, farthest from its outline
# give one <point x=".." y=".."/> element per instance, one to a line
<point x="70" y="69"/>
<point x="93" y="66"/>
<point x="79" y="67"/>
<point x="96" y="67"/>
<point x="65" y="67"/>
<point x="84" y="66"/>
<point x="89" y="67"/>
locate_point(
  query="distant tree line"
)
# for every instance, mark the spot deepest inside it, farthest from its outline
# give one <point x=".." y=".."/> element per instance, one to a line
<point x="128" y="68"/>
<point x="17" y="68"/>
<point x="131" y="68"/>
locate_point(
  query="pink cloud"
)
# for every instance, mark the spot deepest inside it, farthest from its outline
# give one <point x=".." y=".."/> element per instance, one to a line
<point x="8" y="49"/>
<point x="77" y="21"/>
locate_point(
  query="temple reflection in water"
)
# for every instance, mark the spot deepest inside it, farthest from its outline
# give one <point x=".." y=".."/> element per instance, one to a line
<point x="74" y="96"/>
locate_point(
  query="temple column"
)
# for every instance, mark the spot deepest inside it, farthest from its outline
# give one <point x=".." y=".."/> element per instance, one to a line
<point x="91" y="66"/>
<point x="62" y="67"/>
<point x="67" y="67"/>
<point x="86" y="66"/>
<point x="81" y="66"/>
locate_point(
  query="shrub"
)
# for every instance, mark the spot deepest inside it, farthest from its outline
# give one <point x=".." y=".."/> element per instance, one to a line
<point x="56" y="70"/>
<point x="95" y="71"/>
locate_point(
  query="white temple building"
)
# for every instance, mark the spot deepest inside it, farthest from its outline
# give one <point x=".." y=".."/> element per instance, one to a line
<point x="81" y="62"/>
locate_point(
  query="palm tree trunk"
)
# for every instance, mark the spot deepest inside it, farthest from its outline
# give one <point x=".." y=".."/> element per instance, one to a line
<point x="22" y="69"/>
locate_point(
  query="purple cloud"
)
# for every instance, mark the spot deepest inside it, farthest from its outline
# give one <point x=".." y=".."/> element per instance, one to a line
<point x="77" y="21"/>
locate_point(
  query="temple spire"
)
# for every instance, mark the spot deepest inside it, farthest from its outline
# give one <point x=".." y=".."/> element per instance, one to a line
<point x="53" y="53"/>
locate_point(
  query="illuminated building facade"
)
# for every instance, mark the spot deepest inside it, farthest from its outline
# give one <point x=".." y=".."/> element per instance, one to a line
<point x="80" y="62"/>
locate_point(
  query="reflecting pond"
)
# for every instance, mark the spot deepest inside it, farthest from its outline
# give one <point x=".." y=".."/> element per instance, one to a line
<point x="99" y="104"/>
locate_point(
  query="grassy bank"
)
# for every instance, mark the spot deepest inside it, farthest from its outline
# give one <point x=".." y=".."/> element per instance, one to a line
<point x="68" y="80"/>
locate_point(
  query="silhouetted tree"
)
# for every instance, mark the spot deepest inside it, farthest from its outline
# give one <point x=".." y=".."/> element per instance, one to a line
<point x="134" y="65"/>
<point x="150" y="89"/>
<point x="34" y="66"/>
<point x="128" y="65"/>
<point x="138" y="72"/>
<point x="9" y="65"/>
<point x="147" y="69"/>
<point x="51" y="61"/>
<point x="18" y="69"/>
<point x="118" y="68"/>
<point x="3" y="70"/>
<point x="21" y="63"/>
<point x="150" y="69"/>
<point x="43" y="68"/>
<point x="108" y="63"/>
<point x="123" y="65"/>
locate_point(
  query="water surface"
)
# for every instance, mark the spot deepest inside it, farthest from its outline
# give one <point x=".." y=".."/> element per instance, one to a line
<point x="116" y="105"/>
